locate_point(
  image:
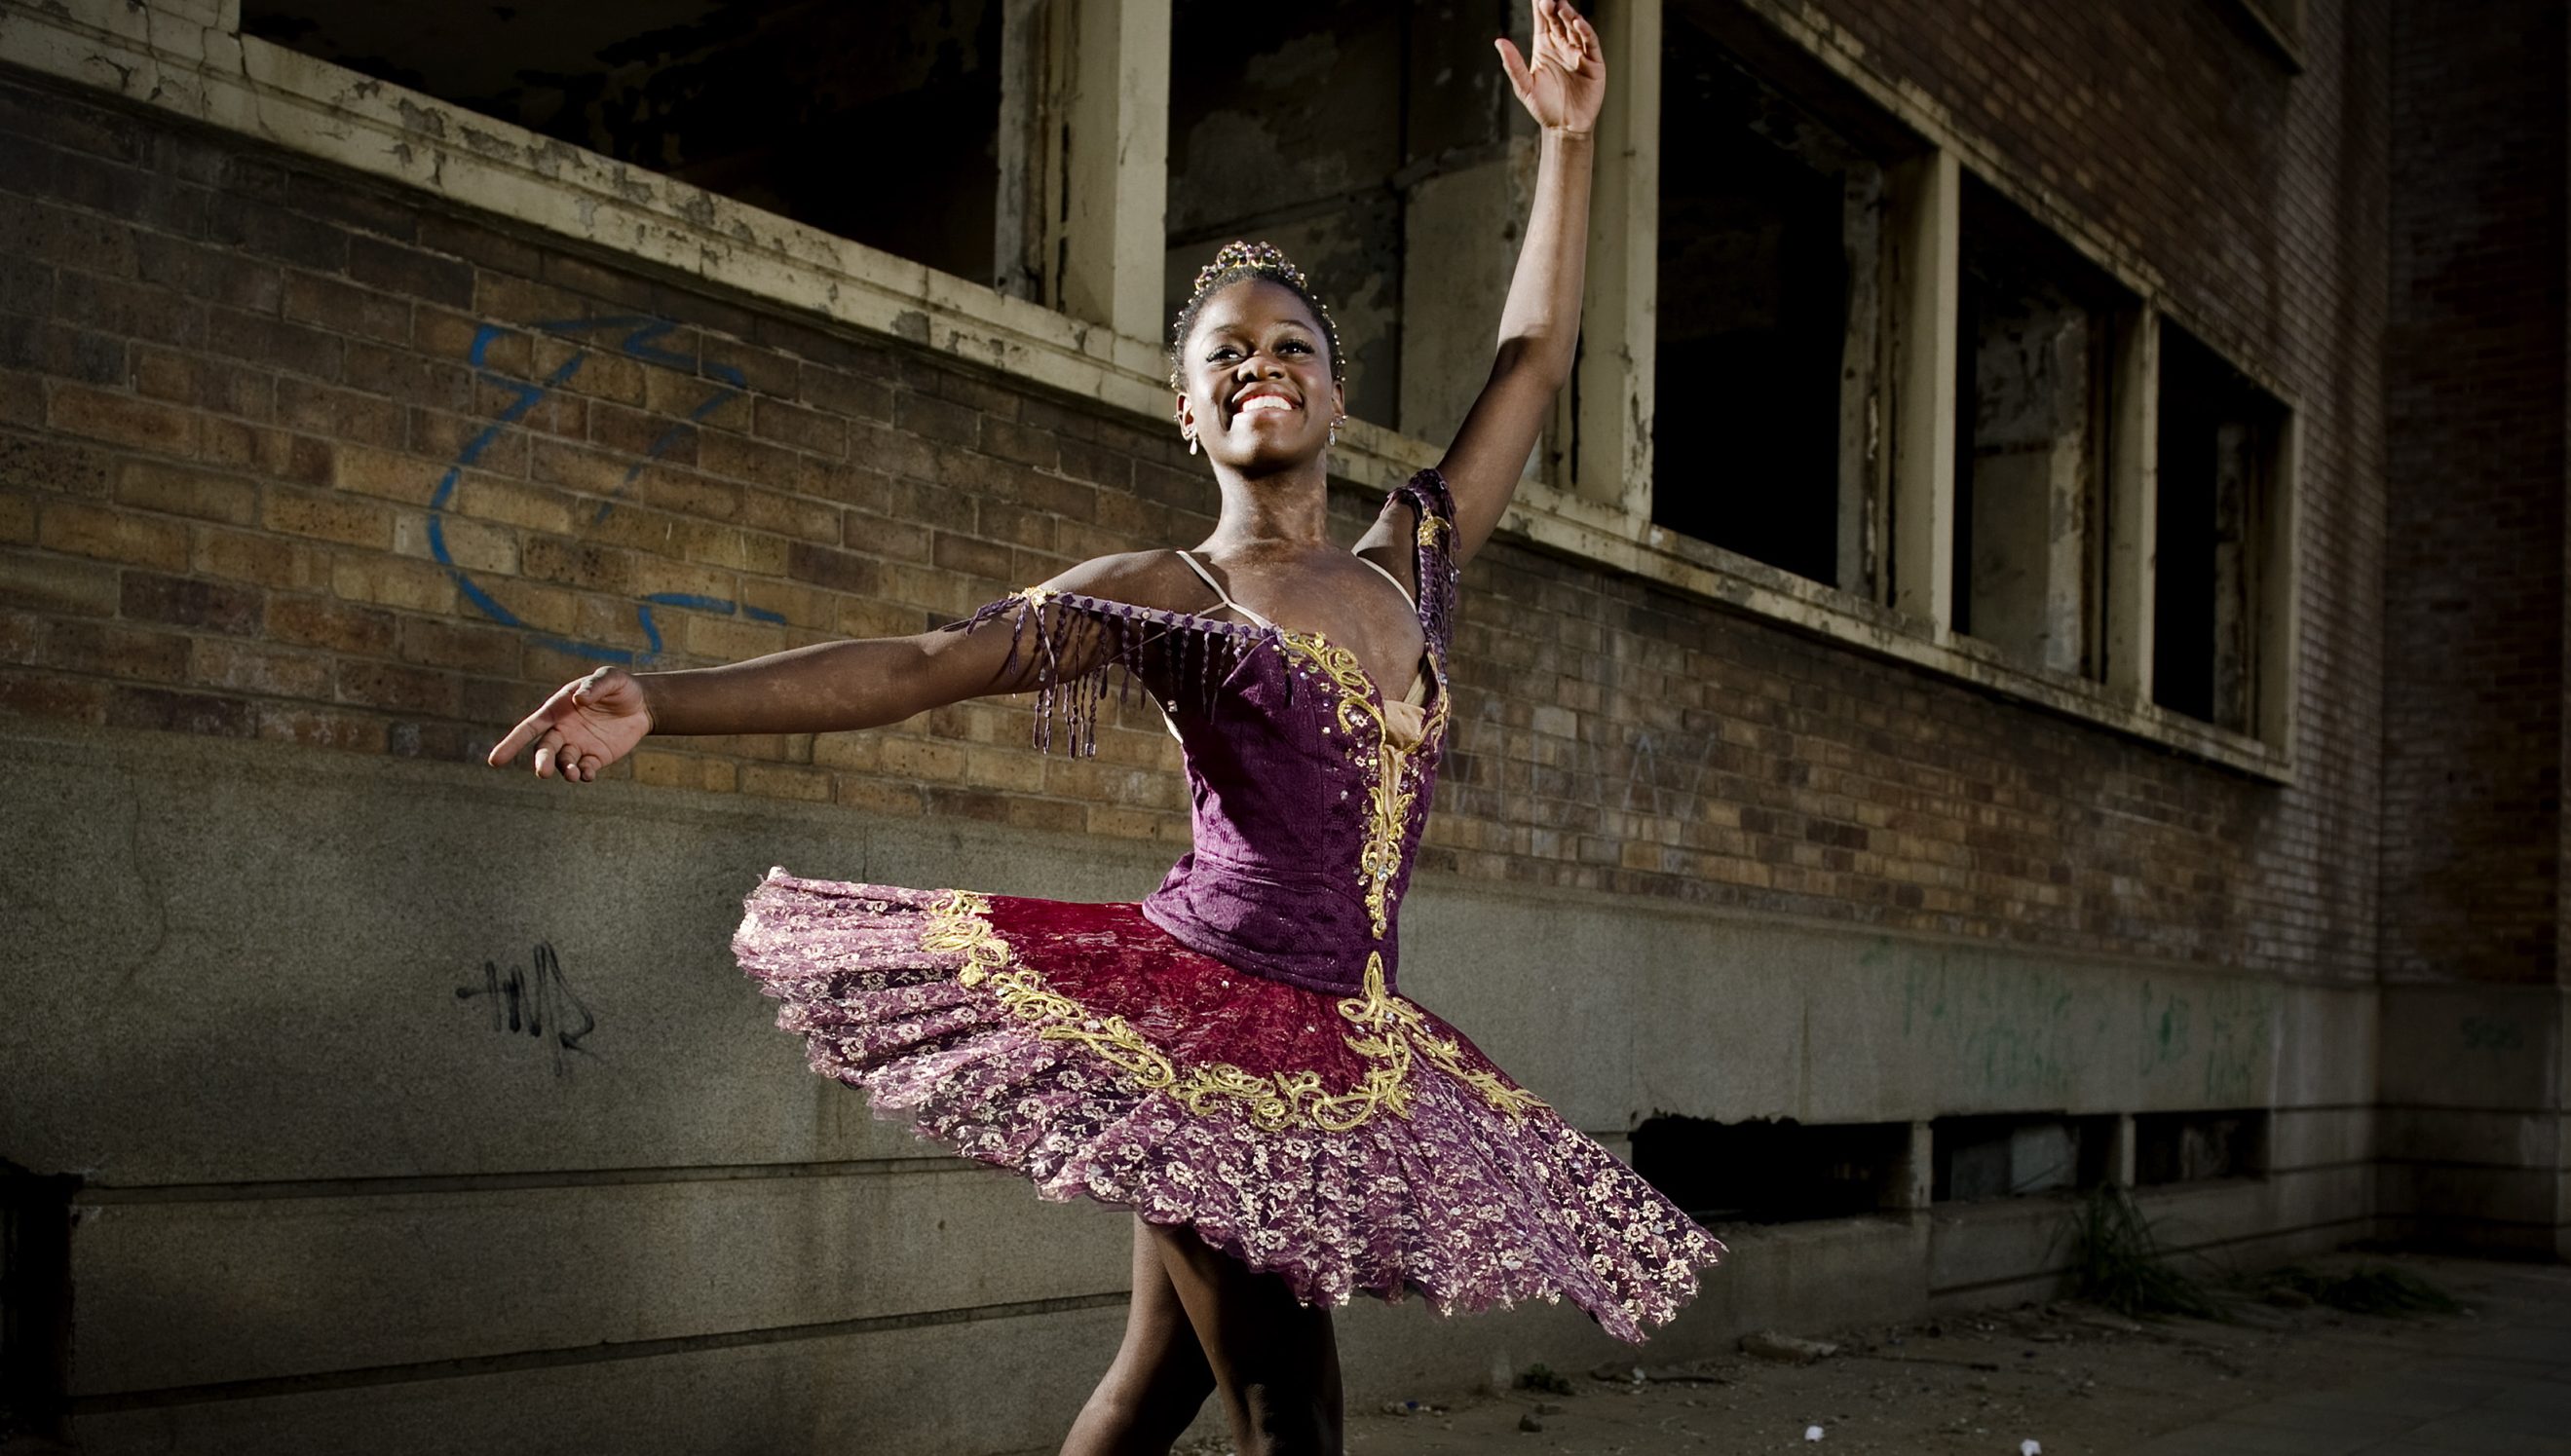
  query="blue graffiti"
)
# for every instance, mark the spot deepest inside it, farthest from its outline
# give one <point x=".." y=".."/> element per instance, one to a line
<point x="637" y="341"/>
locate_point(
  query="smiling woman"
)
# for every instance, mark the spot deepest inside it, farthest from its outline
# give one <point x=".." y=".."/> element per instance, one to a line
<point x="1231" y="1056"/>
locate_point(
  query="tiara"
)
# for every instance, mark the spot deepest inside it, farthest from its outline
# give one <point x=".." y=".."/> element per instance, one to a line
<point x="1264" y="257"/>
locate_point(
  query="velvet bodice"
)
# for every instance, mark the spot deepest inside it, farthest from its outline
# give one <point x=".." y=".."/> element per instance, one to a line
<point x="1308" y="798"/>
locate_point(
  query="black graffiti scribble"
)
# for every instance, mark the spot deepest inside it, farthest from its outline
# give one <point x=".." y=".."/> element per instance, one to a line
<point x="538" y="1003"/>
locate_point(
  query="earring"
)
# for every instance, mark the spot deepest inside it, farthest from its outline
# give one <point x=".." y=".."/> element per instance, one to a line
<point x="1192" y="440"/>
<point x="1334" y="429"/>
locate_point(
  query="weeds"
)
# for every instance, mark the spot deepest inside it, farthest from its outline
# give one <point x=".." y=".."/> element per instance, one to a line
<point x="2119" y="1264"/>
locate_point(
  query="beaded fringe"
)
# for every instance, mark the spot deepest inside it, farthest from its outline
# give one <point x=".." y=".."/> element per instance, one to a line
<point x="1076" y="642"/>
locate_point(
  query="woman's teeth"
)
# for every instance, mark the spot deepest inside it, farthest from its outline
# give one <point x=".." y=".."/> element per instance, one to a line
<point x="1266" y="401"/>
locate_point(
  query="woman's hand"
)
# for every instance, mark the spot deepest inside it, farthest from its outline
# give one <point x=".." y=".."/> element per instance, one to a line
<point x="587" y="725"/>
<point x="1563" y="86"/>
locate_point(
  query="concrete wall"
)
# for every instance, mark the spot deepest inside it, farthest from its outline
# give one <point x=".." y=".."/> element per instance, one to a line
<point x="318" y="1177"/>
<point x="2475" y="1040"/>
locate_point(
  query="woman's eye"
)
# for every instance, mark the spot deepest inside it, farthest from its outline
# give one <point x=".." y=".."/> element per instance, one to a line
<point x="1297" y="344"/>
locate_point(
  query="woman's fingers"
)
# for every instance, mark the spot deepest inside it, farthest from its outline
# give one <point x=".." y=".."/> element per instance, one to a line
<point x="581" y="728"/>
<point x="1515" y="64"/>
<point x="533" y="726"/>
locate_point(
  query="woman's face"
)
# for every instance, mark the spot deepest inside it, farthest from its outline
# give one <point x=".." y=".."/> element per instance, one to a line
<point x="1257" y="374"/>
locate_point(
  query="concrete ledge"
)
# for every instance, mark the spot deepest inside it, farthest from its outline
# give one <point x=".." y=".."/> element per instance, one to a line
<point x="199" y="1293"/>
<point x="944" y="1390"/>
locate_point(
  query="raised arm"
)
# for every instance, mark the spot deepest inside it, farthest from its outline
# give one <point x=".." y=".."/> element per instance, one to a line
<point x="1561" y="85"/>
<point x="589" y="723"/>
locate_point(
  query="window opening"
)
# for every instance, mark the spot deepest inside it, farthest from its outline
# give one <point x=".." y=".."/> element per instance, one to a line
<point x="767" y="102"/>
<point x="35" y="1300"/>
<point x="2187" y="1146"/>
<point x="2220" y="447"/>
<point x="2010" y="1155"/>
<point x="1763" y="1171"/>
<point x="1753" y="311"/>
<point x="1293" y="126"/>
<point x="2034" y="360"/>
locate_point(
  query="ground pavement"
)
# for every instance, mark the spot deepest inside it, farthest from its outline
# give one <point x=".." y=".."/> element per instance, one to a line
<point x="2304" y="1381"/>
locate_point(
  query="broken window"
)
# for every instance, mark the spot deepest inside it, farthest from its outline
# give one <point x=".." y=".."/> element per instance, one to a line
<point x="2186" y="1146"/>
<point x="35" y="1298"/>
<point x="2009" y="1154"/>
<point x="1773" y="1172"/>
<point x="2034" y="333"/>
<point x="1372" y="143"/>
<point x="877" y="123"/>
<point x="2217" y="548"/>
<point x="1763" y="437"/>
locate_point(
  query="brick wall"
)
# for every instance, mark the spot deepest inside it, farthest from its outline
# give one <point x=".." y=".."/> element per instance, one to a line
<point x="232" y="386"/>
<point x="2474" y="579"/>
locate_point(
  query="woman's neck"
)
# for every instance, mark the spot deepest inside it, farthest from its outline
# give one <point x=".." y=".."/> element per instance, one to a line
<point x="1290" y="508"/>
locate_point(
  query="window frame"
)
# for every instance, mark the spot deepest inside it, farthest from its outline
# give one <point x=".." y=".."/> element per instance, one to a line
<point x="1102" y="342"/>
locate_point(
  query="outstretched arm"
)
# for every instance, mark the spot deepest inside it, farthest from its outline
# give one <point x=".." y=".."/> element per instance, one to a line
<point x="1561" y="85"/>
<point x="589" y="723"/>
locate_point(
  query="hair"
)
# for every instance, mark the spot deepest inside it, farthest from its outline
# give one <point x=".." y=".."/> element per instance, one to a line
<point x="1238" y="262"/>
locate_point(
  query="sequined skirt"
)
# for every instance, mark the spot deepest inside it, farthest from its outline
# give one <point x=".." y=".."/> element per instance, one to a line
<point x="1349" y="1145"/>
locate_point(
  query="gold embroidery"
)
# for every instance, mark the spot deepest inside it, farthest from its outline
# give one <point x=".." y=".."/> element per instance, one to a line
<point x="1395" y="1020"/>
<point x="1396" y="1037"/>
<point x="1390" y="796"/>
<point x="955" y="923"/>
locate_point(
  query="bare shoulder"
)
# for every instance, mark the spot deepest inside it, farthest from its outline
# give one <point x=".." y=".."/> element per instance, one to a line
<point x="1156" y="579"/>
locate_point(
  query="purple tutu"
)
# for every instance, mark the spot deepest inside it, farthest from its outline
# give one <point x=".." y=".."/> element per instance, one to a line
<point x="1348" y="1144"/>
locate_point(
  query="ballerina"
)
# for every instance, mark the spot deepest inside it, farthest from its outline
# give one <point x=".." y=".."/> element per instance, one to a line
<point x="1230" y="1057"/>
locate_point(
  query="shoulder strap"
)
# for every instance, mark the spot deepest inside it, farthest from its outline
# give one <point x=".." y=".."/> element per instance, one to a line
<point x="1388" y="576"/>
<point x="1225" y="597"/>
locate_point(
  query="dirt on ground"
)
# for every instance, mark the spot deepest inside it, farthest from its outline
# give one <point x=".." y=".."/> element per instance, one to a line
<point x="2073" y="1379"/>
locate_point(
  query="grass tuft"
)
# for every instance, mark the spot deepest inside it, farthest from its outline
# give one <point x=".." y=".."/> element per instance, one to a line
<point x="2120" y="1265"/>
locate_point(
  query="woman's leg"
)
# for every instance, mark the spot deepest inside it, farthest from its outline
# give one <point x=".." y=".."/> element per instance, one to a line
<point x="1275" y="1360"/>
<point x="1159" y="1377"/>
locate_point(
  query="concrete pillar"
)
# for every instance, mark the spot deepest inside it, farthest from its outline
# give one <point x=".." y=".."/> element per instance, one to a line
<point x="2133" y="504"/>
<point x="1916" y="1179"/>
<point x="2120" y="1152"/>
<point x="1926" y="200"/>
<point x="1089" y="232"/>
<point x="2279" y="617"/>
<point x="1613" y="402"/>
<point x="1864" y="461"/>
